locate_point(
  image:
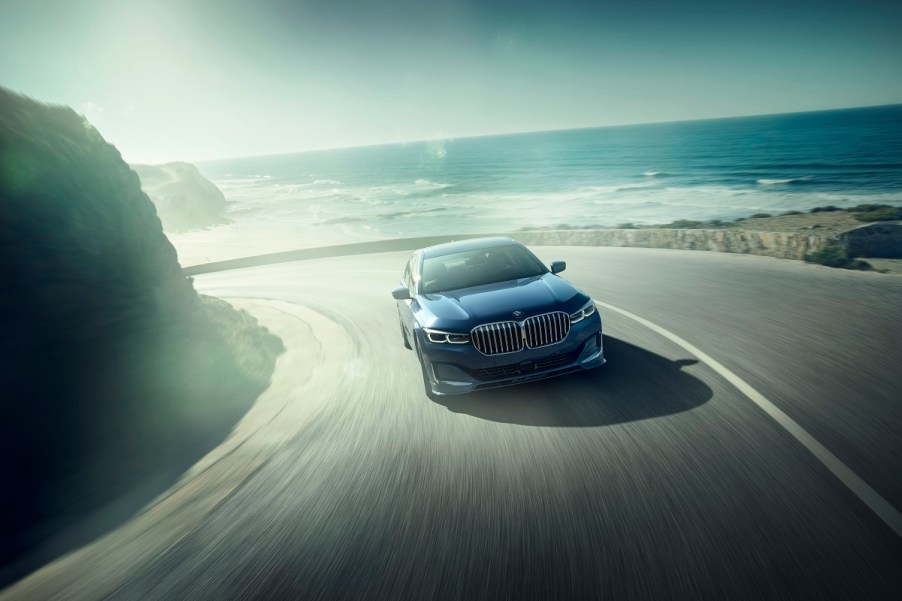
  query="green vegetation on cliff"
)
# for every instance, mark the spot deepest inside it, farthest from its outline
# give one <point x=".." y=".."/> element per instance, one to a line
<point x="876" y="212"/>
<point x="114" y="371"/>
<point x="834" y="256"/>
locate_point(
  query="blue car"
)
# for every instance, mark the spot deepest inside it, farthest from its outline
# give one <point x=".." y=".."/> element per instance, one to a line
<point x="486" y="312"/>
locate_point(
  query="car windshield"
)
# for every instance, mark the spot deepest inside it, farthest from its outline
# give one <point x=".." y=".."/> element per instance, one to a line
<point x="477" y="267"/>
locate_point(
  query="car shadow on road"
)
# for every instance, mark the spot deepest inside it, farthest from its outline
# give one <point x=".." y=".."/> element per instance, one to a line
<point x="635" y="384"/>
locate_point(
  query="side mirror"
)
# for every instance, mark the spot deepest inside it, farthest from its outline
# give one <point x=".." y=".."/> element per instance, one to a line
<point x="400" y="293"/>
<point x="558" y="266"/>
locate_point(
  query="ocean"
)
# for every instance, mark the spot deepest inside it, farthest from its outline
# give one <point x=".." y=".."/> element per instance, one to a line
<point x="608" y="176"/>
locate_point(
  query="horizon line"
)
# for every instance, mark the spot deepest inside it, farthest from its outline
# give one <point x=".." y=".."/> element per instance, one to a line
<point x="524" y="132"/>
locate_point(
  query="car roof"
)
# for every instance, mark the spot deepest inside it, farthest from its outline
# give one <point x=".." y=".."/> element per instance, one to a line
<point x="464" y="245"/>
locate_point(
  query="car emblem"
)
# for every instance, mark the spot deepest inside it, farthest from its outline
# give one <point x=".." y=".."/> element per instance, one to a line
<point x="518" y="313"/>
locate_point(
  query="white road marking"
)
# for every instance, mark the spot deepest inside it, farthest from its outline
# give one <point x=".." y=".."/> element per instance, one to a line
<point x="884" y="510"/>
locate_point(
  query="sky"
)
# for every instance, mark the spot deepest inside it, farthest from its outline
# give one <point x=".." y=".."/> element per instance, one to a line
<point x="205" y="79"/>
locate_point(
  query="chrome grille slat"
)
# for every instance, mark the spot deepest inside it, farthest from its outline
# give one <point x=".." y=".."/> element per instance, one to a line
<point x="546" y="329"/>
<point x="497" y="338"/>
<point x="515" y="339"/>
<point x="504" y="337"/>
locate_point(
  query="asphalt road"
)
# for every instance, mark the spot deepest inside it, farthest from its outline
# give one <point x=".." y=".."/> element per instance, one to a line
<point x="651" y="478"/>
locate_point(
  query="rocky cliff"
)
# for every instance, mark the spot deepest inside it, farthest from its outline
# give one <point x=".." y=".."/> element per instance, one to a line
<point x="184" y="198"/>
<point x="112" y="368"/>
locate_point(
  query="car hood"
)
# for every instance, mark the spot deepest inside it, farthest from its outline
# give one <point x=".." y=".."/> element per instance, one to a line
<point x="496" y="302"/>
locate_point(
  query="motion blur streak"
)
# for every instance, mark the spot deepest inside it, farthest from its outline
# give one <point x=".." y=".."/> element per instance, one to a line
<point x="650" y="478"/>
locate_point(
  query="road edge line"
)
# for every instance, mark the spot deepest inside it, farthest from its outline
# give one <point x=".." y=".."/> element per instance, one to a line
<point x="880" y="506"/>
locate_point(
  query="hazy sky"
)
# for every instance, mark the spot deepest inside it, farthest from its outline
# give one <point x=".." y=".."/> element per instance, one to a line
<point x="199" y="79"/>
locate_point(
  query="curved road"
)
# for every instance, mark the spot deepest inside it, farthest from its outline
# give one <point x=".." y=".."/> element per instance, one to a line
<point x="651" y="478"/>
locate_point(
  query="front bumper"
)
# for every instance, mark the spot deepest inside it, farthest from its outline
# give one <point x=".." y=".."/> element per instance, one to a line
<point x="460" y="369"/>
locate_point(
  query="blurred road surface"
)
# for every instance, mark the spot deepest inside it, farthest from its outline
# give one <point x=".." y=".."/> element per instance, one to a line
<point x="650" y="478"/>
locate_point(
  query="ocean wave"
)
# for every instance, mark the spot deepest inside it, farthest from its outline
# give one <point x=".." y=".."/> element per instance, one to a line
<point x="375" y="218"/>
<point x="708" y="189"/>
<point x="655" y="174"/>
<point x="431" y="185"/>
<point x="781" y="182"/>
<point x="839" y="166"/>
<point x="420" y="186"/>
<point x="404" y="207"/>
<point x="615" y="188"/>
<point x="243" y="180"/>
<point x="628" y="187"/>
<point x="225" y="178"/>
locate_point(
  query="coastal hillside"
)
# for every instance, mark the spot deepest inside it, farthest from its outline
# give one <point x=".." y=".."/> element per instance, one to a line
<point x="184" y="198"/>
<point x="114" y="371"/>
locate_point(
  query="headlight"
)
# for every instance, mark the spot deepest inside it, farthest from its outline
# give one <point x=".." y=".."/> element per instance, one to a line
<point x="440" y="337"/>
<point x="586" y="310"/>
